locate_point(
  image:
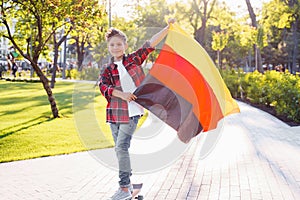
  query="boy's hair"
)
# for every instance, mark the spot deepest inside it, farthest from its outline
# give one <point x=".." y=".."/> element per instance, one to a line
<point x="115" y="32"/>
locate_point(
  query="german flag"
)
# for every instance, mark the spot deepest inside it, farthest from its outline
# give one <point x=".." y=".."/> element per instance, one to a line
<point x="184" y="87"/>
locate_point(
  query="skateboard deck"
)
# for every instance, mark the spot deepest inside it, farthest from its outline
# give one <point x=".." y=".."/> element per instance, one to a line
<point x="136" y="190"/>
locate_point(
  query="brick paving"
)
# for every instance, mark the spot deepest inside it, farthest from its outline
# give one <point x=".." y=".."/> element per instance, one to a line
<point x="256" y="158"/>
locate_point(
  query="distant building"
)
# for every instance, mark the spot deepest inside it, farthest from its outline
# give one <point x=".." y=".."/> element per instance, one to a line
<point x="3" y="45"/>
<point x="4" y="42"/>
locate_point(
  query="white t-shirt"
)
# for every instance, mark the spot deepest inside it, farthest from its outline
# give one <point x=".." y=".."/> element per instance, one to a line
<point x="128" y="85"/>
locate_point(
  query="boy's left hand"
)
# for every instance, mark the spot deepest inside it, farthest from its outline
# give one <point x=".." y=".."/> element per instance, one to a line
<point x="171" y="20"/>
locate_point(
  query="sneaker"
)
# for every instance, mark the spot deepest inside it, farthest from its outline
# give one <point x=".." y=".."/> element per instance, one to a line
<point x="121" y="195"/>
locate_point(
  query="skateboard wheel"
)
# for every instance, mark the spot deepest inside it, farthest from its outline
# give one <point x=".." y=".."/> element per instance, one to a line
<point x="140" y="197"/>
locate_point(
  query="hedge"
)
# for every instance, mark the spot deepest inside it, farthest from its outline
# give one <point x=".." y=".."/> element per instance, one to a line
<point x="280" y="90"/>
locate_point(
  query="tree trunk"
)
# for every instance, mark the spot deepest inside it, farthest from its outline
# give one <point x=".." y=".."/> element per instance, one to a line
<point x="80" y="53"/>
<point x="259" y="61"/>
<point x="200" y="35"/>
<point x="295" y="47"/>
<point x="254" y="24"/>
<point x="203" y="12"/>
<point x="47" y="88"/>
<point x="249" y="59"/>
<point x="54" y="69"/>
<point x="219" y="59"/>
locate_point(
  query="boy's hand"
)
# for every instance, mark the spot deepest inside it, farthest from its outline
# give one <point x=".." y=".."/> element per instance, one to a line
<point x="171" y="20"/>
<point x="127" y="96"/>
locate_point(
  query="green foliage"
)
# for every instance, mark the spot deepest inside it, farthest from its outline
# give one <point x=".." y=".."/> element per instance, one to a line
<point x="89" y="19"/>
<point x="233" y="80"/>
<point x="152" y="13"/>
<point x="248" y="36"/>
<point x="286" y="98"/>
<point x="277" y="19"/>
<point x="90" y="74"/>
<point x="150" y="17"/>
<point x="72" y="73"/>
<point x="220" y="40"/>
<point x="275" y="89"/>
<point x="261" y="39"/>
<point x="254" y="84"/>
<point x="281" y="14"/>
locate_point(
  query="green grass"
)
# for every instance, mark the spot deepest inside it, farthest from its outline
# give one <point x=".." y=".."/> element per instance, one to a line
<point x="27" y="129"/>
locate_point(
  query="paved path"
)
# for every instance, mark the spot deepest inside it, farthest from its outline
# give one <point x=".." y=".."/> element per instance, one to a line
<point x="256" y="157"/>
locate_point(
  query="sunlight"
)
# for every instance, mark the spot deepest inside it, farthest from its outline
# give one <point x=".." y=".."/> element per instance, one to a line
<point x="120" y="9"/>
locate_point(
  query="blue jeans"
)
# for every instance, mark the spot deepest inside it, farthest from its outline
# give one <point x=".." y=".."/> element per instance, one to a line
<point x="122" y="134"/>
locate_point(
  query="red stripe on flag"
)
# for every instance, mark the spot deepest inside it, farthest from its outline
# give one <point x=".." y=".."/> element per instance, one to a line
<point x="186" y="80"/>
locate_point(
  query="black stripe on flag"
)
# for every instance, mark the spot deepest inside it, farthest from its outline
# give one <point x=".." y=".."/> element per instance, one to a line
<point x="168" y="106"/>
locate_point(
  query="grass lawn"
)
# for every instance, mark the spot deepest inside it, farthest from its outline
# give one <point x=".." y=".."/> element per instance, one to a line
<point x="27" y="129"/>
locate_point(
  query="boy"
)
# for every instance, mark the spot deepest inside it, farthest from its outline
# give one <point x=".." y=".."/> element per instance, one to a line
<point x="117" y="83"/>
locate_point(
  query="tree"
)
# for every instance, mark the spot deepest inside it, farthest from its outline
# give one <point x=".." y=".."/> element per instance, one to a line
<point x="30" y="25"/>
<point x="247" y="38"/>
<point x="152" y="13"/>
<point x="60" y="34"/>
<point x="258" y="61"/>
<point x="88" y="22"/>
<point x="220" y="40"/>
<point x="63" y="36"/>
<point x="151" y="17"/>
<point x="281" y="19"/>
<point x="32" y="22"/>
<point x="223" y="26"/>
<point x="200" y="11"/>
<point x="294" y="10"/>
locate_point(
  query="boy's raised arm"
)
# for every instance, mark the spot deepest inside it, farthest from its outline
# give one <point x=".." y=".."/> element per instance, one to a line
<point x="161" y="34"/>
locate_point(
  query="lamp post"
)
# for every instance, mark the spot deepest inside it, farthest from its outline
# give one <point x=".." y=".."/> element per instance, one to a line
<point x="64" y="52"/>
<point x="64" y="59"/>
<point x="109" y="13"/>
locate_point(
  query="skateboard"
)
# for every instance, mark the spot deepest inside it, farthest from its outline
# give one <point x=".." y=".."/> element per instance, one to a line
<point x="136" y="190"/>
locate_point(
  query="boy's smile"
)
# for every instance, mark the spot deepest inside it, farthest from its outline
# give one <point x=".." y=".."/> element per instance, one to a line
<point x="117" y="47"/>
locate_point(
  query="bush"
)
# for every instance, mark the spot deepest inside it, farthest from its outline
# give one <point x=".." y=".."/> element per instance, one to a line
<point x="233" y="80"/>
<point x="253" y="87"/>
<point x="90" y="74"/>
<point x="275" y="89"/>
<point x="287" y="98"/>
<point x="71" y="73"/>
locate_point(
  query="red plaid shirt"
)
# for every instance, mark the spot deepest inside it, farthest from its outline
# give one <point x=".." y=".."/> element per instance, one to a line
<point x="117" y="109"/>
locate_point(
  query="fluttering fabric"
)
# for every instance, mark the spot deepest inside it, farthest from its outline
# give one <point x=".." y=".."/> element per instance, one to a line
<point x="184" y="88"/>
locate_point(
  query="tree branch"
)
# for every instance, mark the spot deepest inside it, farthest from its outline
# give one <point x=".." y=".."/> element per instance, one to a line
<point x="211" y="9"/>
<point x="10" y="37"/>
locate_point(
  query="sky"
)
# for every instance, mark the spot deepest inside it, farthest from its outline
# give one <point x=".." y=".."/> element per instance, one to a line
<point x="235" y="5"/>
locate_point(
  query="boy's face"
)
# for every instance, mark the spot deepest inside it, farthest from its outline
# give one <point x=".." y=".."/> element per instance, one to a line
<point x="117" y="47"/>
